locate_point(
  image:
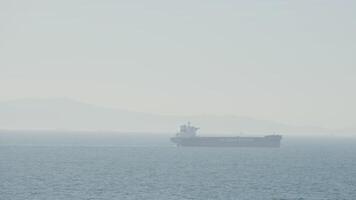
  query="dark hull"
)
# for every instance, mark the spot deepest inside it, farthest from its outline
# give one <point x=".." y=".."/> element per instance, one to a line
<point x="266" y="141"/>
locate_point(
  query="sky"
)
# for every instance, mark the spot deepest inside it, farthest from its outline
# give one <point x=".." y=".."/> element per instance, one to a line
<point x="282" y="60"/>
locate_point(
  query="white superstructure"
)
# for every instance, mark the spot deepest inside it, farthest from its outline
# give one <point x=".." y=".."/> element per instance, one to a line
<point x="187" y="130"/>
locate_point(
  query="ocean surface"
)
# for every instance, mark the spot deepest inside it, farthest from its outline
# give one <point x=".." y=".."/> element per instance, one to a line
<point x="75" y="168"/>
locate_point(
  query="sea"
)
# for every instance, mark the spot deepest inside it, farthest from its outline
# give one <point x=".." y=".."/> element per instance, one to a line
<point x="88" y="167"/>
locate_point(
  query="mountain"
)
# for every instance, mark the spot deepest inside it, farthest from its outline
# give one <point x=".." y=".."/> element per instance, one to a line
<point x="69" y="114"/>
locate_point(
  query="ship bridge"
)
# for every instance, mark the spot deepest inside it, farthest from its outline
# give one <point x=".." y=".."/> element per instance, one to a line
<point x="187" y="130"/>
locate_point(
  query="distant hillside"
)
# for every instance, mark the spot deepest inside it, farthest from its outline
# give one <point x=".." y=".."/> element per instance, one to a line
<point x="73" y="115"/>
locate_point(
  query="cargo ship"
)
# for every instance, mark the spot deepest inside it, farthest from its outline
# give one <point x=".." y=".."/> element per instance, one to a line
<point x="187" y="137"/>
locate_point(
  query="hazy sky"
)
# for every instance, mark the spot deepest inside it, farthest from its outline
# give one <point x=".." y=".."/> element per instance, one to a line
<point x="288" y="61"/>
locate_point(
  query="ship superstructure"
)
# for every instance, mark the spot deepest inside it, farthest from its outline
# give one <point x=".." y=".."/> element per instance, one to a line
<point x="187" y="136"/>
<point x="187" y="131"/>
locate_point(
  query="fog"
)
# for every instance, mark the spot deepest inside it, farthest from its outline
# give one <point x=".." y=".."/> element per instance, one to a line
<point x="168" y="100"/>
<point x="228" y="66"/>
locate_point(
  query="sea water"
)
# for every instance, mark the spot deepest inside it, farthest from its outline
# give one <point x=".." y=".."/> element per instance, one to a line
<point x="52" y="170"/>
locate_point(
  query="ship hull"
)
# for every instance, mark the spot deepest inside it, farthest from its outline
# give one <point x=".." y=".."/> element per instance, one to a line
<point x="272" y="141"/>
